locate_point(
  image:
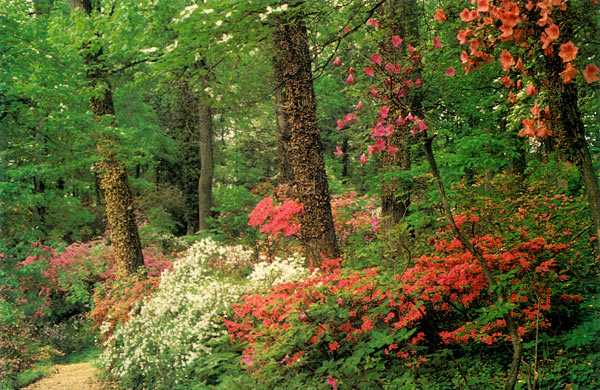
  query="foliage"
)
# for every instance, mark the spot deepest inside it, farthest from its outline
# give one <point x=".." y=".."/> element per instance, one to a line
<point x="353" y="325"/>
<point x="19" y="350"/>
<point x="178" y="335"/>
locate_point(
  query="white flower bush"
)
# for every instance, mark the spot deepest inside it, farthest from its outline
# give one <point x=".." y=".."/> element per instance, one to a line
<point x="178" y="329"/>
<point x="267" y="274"/>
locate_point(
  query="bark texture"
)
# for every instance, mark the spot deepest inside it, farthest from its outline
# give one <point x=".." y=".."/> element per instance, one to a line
<point x="181" y="121"/>
<point x="568" y="131"/>
<point x="112" y="175"/>
<point x="305" y="148"/>
<point x="286" y="175"/>
<point x="206" y="163"/>
<point x="400" y="20"/>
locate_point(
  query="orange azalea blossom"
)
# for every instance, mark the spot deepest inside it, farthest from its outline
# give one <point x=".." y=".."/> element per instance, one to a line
<point x="541" y="131"/>
<point x="507" y="60"/>
<point x="544" y="20"/>
<point x="440" y="16"/>
<point x="467" y="15"/>
<point x="529" y="129"/>
<point x="463" y="35"/>
<point x="569" y="73"/>
<point x="483" y="6"/>
<point x="568" y="51"/>
<point x="507" y="33"/>
<point x="531" y="90"/>
<point x="507" y="82"/>
<point x="519" y="64"/>
<point x="590" y="73"/>
<point x="552" y="31"/>
<point x="546" y="41"/>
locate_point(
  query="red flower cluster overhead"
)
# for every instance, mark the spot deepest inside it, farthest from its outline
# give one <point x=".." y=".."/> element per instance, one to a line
<point x="523" y="31"/>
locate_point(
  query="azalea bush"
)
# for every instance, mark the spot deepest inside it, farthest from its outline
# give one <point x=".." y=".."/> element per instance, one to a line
<point x="178" y="335"/>
<point x="355" y="327"/>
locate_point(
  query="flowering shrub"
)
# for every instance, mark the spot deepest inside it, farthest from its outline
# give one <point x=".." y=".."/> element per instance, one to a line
<point x="179" y="333"/>
<point x="351" y="214"/>
<point x="336" y="324"/>
<point x="353" y="326"/>
<point x="276" y="219"/>
<point x="115" y="300"/>
<point x="278" y="271"/>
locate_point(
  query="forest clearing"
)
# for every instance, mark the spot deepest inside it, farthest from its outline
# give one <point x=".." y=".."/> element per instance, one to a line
<point x="301" y="194"/>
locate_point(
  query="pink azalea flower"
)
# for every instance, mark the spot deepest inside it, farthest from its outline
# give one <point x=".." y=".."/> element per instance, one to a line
<point x="376" y="58"/>
<point x="375" y="224"/>
<point x="338" y="151"/>
<point x="383" y="111"/>
<point x="350" y="119"/>
<point x="396" y="41"/>
<point x="363" y="159"/>
<point x="337" y="61"/>
<point x="373" y="23"/>
<point x="450" y="72"/>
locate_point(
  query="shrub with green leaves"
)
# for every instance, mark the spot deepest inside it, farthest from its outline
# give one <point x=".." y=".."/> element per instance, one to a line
<point x="179" y="334"/>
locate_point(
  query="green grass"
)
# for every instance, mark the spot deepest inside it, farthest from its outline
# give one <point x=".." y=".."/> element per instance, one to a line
<point x="86" y="354"/>
<point x="34" y="374"/>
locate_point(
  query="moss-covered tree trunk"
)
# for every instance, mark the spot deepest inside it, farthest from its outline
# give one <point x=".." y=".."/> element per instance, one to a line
<point x="112" y="175"/>
<point x="305" y="147"/>
<point x="286" y="175"/>
<point x="206" y="163"/>
<point x="399" y="20"/>
<point x="568" y="131"/>
<point x="182" y="123"/>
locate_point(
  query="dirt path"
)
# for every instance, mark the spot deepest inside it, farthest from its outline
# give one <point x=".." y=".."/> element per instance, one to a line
<point x="81" y="376"/>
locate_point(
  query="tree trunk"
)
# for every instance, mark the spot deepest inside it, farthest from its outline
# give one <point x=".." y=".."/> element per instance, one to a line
<point x="305" y="148"/>
<point x="113" y="179"/>
<point x="568" y="132"/>
<point x="286" y="175"/>
<point x="206" y="163"/>
<point x="400" y="20"/>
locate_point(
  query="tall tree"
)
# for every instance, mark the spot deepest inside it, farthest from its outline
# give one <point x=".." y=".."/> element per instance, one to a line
<point x="286" y="175"/>
<point x="400" y="20"/>
<point x="205" y="133"/>
<point x="305" y="147"/>
<point x="568" y="131"/>
<point x="114" y="182"/>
